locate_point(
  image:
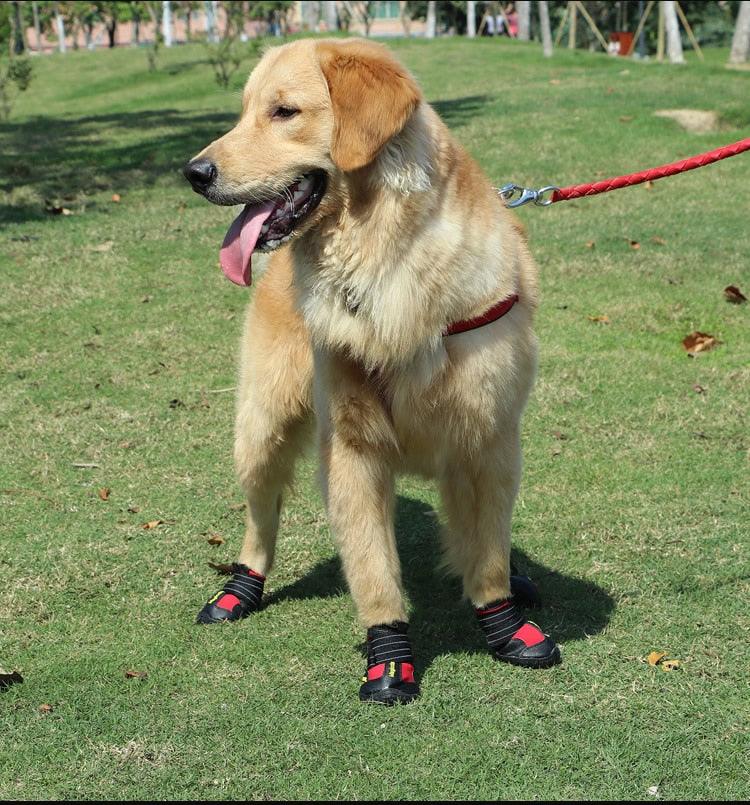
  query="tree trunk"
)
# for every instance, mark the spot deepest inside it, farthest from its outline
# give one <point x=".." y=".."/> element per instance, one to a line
<point x="431" y="20"/>
<point x="112" y="32"/>
<point x="573" y="29"/>
<point x="544" y="25"/>
<point x="19" y="45"/>
<point x="523" y="7"/>
<point x="741" y="38"/>
<point x="37" y="26"/>
<point x="471" y="19"/>
<point x="188" y="18"/>
<point x="672" y="26"/>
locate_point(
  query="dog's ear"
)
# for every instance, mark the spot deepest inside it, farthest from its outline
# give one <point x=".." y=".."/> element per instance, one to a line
<point x="372" y="95"/>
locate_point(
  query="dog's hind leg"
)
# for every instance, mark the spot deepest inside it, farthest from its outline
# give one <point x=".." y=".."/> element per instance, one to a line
<point x="273" y="423"/>
<point x="478" y="494"/>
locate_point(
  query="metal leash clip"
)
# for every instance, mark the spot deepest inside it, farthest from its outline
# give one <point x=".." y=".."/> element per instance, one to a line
<point x="525" y="195"/>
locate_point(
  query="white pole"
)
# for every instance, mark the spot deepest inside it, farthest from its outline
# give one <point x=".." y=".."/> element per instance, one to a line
<point x="674" y="43"/>
<point x="544" y="25"/>
<point x="471" y="18"/>
<point x="166" y="23"/>
<point x="741" y="38"/>
<point x="431" y="20"/>
<point x="60" y="29"/>
<point x="523" y="7"/>
<point x="210" y="6"/>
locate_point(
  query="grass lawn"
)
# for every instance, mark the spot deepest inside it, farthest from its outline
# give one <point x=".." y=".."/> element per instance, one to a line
<point x="119" y="338"/>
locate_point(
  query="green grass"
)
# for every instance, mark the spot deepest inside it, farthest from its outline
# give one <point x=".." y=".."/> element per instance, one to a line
<point x="635" y="525"/>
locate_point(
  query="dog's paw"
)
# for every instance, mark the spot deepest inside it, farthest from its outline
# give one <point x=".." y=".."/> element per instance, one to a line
<point x="240" y="596"/>
<point x="389" y="683"/>
<point x="530" y="648"/>
<point x="389" y="678"/>
<point x="515" y="640"/>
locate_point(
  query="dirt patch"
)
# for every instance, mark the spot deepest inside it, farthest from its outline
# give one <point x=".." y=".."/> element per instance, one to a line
<point x="694" y="120"/>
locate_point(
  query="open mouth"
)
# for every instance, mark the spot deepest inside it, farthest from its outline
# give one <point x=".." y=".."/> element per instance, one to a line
<point x="264" y="226"/>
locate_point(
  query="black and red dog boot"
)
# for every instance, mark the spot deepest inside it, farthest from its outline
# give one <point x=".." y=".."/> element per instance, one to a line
<point x="240" y="596"/>
<point x="389" y="678"/>
<point x="515" y="640"/>
<point x="524" y="592"/>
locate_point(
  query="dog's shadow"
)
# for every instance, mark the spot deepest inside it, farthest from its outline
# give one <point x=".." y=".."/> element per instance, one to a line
<point x="441" y="623"/>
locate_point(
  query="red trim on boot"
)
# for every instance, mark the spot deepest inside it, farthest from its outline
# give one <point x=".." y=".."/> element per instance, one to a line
<point x="375" y="672"/>
<point x="228" y="601"/>
<point x="529" y="634"/>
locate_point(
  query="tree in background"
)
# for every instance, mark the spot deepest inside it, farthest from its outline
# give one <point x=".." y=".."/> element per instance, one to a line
<point x="15" y="67"/>
<point x="523" y="7"/>
<point x="741" y="38"/>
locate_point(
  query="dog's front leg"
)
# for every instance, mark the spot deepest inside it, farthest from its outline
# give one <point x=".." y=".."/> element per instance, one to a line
<point x="274" y="420"/>
<point x="358" y="450"/>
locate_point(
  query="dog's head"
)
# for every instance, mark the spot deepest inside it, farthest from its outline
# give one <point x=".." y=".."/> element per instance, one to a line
<point x="312" y="111"/>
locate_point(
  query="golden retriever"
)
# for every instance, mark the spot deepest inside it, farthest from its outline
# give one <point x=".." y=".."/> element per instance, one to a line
<point x="384" y="233"/>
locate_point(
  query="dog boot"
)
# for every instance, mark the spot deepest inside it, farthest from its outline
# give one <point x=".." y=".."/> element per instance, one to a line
<point x="389" y="678"/>
<point x="515" y="640"/>
<point x="525" y="592"/>
<point x="239" y="597"/>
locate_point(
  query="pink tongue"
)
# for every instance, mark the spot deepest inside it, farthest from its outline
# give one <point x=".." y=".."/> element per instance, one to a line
<point x="240" y="241"/>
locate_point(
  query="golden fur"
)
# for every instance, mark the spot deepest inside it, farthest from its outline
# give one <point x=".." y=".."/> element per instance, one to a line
<point x="347" y="320"/>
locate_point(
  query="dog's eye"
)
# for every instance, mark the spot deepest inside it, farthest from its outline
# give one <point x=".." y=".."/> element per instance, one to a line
<point x="284" y="111"/>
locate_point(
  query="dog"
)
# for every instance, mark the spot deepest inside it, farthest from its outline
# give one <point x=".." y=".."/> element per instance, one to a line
<point x="395" y="318"/>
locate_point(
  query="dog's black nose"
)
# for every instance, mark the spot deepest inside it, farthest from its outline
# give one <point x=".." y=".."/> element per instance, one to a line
<point x="200" y="173"/>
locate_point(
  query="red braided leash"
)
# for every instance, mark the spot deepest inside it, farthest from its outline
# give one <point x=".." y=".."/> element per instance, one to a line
<point x="592" y="189"/>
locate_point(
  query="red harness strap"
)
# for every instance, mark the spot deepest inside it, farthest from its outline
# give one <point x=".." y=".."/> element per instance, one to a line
<point x="493" y="314"/>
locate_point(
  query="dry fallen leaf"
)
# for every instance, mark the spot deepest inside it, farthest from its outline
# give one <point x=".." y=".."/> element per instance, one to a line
<point x="626" y="118"/>
<point x="734" y="295"/>
<point x="45" y="708"/>
<point x="669" y="665"/>
<point x="658" y="241"/>
<point x="649" y="185"/>
<point x="653" y="790"/>
<point x="215" y="539"/>
<point x="13" y="678"/>
<point x="136" y="675"/>
<point x="55" y="210"/>
<point x="655" y="657"/>
<point x="104" y="493"/>
<point x="698" y="389"/>
<point x="590" y="244"/>
<point x="634" y="244"/>
<point x="698" y="342"/>
<point x="554" y="81"/>
<point x="152" y="524"/>
<point x="116" y="197"/>
<point x="600" y="319"/>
